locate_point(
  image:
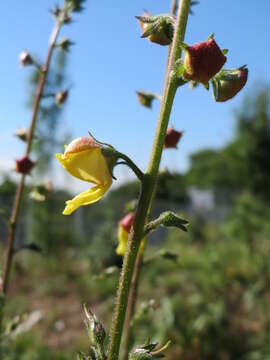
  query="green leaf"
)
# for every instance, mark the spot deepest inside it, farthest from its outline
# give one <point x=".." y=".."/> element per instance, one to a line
<point x="168" y="219"/>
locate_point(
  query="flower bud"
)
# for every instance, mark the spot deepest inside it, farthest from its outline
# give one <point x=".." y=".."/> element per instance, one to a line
<point x="158" y="29"/>
<point x="172" y="138"/>
<point x="25" y="58"/>
<point x="145" y="99"/>
<point x="124" y="228"/>
<point x="83" y="158"/>
<point x="64" y="44"/>
<point x="228" y="83"/>
<point x="76" y="5"/>
<point x="56" y="11"/>
<point x="22" y="134"/>
<point x="24" y="165"/>
<point x="203" y="61"/>
<point x="127" y="221"/>
<point x="61" y="97"/>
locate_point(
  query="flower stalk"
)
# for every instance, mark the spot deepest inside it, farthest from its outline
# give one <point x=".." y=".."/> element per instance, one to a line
<point x="18" y="197"/>
<point x="148" y="185"/>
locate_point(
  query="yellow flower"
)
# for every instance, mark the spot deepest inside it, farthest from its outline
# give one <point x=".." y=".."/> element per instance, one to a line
<point x="124" y="229"/>
<point x="83" y="159"/>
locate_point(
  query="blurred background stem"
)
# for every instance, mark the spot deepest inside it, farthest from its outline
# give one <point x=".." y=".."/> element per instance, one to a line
<point x="18" y="197"/>
<point x="148" y="185"/>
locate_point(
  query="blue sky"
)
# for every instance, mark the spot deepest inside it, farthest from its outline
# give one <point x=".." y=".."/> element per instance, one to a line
<point x="110" y="62"/>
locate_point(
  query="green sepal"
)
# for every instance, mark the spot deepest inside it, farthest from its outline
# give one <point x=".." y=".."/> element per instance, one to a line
<point x="179" y="67"/>
<point x="151" y="28"/>
<point x="225" y="51"/>
<point x="215" y="87"/>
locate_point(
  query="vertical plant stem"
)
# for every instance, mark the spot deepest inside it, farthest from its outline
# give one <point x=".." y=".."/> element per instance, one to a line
<point x="148" y="186"/>
<point x="18" y="197"/>
<point x="136" y="274"/>
<point x="174" y="7"/>
<point x="131" y="305"/>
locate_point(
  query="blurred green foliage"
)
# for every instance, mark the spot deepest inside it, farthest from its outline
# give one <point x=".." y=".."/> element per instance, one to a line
<point x="212" y="301"/>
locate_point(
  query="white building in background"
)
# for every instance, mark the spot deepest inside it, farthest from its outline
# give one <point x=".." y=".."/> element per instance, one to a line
<point x="201" y="199"/>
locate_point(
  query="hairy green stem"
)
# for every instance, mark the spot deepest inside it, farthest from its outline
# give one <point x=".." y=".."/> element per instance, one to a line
<point x="18" y="197"/>
<point x="133" y="293"/>
<point x="148" y="186"/>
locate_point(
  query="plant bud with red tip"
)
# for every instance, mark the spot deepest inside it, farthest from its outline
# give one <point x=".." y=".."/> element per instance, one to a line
<point x="228" y="83"/>
<point x="158" y="29"/>
<point x="24" y="165"/>
<point x="25" y="58"/>
<point x="203" y="61"/>
<point x="127" y="221"/>
<point x="172" y="138"/>
<point x="61" y="97"/>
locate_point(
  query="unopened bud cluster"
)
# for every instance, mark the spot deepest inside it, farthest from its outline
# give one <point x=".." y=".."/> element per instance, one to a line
<point x="204" y="62"/>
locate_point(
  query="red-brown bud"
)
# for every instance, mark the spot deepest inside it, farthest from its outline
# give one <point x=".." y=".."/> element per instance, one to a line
<point x="203" y="61"/>
<point x="61" y="97"/>
<point x="24" y="165"/>
<point x="228" y="83"/>
<point x="172" y="138"/>
<point x="25" y="58"/>
<point x="127" y="221"/>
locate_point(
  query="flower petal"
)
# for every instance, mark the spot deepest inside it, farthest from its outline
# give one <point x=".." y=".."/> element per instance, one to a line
<point x="123" y="235"/>
<point x="88" y="165"/>
<point x="122" y="239"/>
<point x="85" y="198"/>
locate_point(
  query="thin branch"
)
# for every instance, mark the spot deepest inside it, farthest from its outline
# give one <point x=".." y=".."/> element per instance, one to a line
<point x="18" y="197"/>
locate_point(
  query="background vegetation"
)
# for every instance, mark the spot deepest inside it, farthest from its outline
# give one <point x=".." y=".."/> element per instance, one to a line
<point x="207" y="290"/>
